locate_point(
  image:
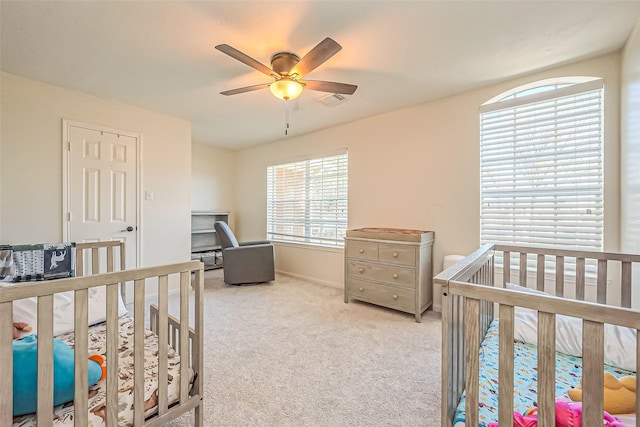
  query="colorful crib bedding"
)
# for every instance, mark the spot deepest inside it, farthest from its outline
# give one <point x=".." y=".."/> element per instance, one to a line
<point x="568" y="374"/>
<point x="63" y="414"/>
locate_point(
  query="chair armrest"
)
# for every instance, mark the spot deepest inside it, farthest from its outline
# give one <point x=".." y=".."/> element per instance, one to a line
<point x="247" y="251"/>
<point x="257" y="242"/>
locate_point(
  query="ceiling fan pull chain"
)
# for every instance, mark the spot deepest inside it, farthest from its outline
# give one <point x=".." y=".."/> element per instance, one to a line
<point x="286" y="116"/>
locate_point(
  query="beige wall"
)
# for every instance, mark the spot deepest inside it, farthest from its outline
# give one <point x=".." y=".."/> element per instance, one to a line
<point x="213" y="179"/>
<point x="31" y="165"/>
<point x="414" y="168"/>
<point x="630" y="149"/>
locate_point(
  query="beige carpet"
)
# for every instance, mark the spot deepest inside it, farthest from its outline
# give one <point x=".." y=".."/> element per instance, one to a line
<point x="292" y="353"/>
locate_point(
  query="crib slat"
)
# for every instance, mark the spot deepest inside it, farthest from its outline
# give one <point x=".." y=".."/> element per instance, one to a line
<point x="110" y="251"/>
<point x="625" y="285"/>
<point x="95" y="261"/>
<point x="454" y="355"/>
<point x="6" y="355"/>
<point x="111" y="357"/>
<point x="472" y="311"/>
<point x="580" y="279"/>
<point x="505" y="367"/>
<point x="447" y="383"/>
<point x="45" y="361"/>
<point x="123" y="285"/>
<point x="546" y="368"/>
<point x="560" y="276"/>
<point x="462" y="345"/>
<point x="506" y="268"/>
<point x="79" y="261"/>
<point x="540" y="272"/>
<point x="163" y="342"/>
<point x="602" y="281"/>
<point x="523" y="269"/>
<point x="138" y="352"/>
<point x="185" y="278"/>
<point x="198" y="356"/>
<point x="592" y="372"/>
<point x="81" y="343"/>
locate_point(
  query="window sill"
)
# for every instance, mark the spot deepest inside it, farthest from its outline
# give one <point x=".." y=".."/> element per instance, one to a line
<point x="308" y="246"/>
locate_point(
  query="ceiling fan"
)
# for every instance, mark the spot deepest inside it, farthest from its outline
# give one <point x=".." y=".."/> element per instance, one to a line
<point x="288" y="69"/>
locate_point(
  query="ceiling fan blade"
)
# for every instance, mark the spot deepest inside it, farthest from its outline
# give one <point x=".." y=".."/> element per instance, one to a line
<point x="316" y="56"/>
<point x="333" y="87"/>
<point x="246" y="59"/>
<point x="245" y="89"/>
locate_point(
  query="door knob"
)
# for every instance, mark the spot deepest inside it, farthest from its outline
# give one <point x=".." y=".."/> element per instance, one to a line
<point x="129" y="228"/>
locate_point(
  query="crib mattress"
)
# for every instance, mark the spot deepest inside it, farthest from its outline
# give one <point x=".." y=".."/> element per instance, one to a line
<point x="63" y="414"/>
<point x="568" y="374"/>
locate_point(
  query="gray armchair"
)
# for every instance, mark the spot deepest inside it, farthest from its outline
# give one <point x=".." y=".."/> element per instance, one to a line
<point x="249" y="262"/>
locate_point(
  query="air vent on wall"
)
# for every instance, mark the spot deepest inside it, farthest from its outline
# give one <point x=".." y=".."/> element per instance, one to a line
<point x="332" y="100"/>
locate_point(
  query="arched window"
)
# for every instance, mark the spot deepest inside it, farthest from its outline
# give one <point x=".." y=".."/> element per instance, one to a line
<point x="541" y="165"/>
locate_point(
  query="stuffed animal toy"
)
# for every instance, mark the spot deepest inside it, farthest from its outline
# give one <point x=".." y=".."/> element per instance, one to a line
<point x="18" y="328"/>
<point x="568" y="414"/>
<point x="25" y="373"/>
<point x="619" y="394"/>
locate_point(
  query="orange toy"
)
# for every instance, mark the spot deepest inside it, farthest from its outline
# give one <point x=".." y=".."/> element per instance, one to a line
<point x="99" y="359"/>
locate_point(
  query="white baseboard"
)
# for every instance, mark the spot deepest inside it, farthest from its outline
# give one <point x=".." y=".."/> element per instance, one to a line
<point x="312" y="279"/>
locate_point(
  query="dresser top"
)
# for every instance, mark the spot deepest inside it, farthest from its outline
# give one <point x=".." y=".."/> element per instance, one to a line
<point x="402" y="234"/>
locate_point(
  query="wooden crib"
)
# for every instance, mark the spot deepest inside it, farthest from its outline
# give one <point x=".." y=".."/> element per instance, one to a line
<point x="592" y="286"/>
<point x="166" y="329"/>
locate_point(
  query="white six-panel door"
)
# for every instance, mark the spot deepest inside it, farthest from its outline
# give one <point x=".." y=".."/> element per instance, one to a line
<point x="102" y="187"/>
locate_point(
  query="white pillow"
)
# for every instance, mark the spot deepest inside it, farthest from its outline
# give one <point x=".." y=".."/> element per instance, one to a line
<point x="619" y="341"/>
<point x="26" y="310"/>
<point x="515" y="287"/>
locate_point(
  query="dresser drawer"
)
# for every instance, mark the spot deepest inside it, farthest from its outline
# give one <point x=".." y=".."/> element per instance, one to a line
<point x="397" y="254"/>
<point x="402" y="276"/>
<point x="362" y="250"/>
<point x="385" y="295"/>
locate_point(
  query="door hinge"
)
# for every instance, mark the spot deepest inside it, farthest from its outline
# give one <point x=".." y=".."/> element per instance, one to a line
<point x="68" y="145"/>
<point x="69" y="216"/>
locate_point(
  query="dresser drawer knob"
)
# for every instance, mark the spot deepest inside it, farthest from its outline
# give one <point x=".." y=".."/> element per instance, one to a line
<point x="361" y="270"/>
<point x="361" y="289"/>
<point x="395" y="254"/>
<point x="395" y="296"/>
<point x="395" y="275"/>
<point x="361" y="251"/>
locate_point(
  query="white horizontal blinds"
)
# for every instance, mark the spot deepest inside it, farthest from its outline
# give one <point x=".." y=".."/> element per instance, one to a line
<point x="541" y="167"/>
<point x="307" y="201"/>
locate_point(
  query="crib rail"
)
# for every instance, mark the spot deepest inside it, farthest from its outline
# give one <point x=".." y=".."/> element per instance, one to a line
<point x="190" y="350"/>
<point x="476" y="268"/>
<point x="469" y="296"/>
<point x="613" y="277"/>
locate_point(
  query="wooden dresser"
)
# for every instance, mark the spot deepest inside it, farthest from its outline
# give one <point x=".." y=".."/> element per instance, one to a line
<point x="390" y="267"/>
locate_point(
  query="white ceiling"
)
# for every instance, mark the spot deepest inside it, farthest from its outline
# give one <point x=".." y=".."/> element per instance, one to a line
<point x="160" y="54"/>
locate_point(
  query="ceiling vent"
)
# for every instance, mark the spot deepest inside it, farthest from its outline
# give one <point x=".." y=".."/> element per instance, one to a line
<point x="333" y="99"/>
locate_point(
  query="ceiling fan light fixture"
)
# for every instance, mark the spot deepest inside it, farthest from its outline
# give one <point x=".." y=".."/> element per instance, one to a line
<point x="286" y="88"/>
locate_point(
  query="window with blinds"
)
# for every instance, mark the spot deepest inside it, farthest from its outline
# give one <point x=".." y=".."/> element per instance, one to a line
<point x="541" y="167"/>
<point x="307" y="201"/>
